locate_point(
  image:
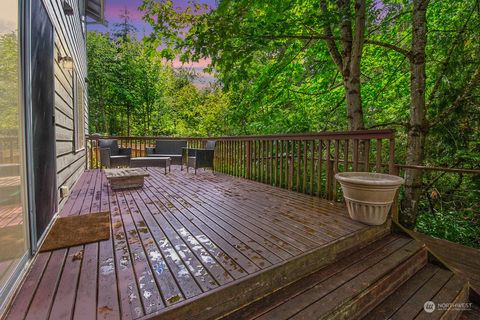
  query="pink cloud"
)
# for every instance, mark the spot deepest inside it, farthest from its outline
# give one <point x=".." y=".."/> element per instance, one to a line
<point x="200" y="64"/>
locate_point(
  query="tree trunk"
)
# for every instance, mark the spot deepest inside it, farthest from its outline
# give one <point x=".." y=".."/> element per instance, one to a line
<point x="418" y="123"/>
<point x="348" y="61"/>
<point x="354" y="104"/>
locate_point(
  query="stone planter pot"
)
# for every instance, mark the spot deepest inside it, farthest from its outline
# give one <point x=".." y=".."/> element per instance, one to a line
<point x="368" y="195"/>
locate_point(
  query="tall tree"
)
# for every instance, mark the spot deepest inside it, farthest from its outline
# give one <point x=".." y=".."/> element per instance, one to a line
<point x="348" y="62"/>
<point x="125" y="28"/>
<point x="418" y="122"/>
<point x="239" y="29"/>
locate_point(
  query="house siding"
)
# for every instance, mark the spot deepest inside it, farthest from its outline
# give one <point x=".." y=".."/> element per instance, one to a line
<point x="69" y="41"/>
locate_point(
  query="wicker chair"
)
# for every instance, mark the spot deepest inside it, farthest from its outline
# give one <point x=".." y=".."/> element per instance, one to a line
<point x="200" y="158"/>
<point x="113" y="156"/>
<point x="168" y="148"/>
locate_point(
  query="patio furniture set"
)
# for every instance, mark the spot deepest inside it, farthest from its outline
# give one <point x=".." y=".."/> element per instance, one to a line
<point x="163" y="155"/>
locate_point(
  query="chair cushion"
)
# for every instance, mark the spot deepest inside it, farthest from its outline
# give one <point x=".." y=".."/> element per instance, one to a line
<point x="210" y="144"/>
<point x="166" y="147"/>
<point x="164" y="155"/>
<point x="112" y="144"/>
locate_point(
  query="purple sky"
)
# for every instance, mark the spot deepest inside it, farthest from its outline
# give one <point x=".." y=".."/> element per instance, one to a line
<point x="113" y="9"/>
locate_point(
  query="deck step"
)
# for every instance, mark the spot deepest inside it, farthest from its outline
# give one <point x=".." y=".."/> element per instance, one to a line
<point x="346" y="289"/>
<point x="431" y="283"/>
<point x="389" y="279"/>
<point x="473" y="313"/>
<point x="223" y="300"/>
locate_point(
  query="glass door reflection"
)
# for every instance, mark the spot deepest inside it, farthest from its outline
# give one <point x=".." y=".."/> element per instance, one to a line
<point x="13" y="229"/>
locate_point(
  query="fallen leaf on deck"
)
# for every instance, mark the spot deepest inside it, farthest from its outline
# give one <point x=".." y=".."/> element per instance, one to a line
<point x="78" y="255"/>
<point x="104" y="309"/>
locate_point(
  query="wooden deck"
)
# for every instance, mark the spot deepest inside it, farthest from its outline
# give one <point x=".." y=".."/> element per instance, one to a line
<point x="464" y="261"/>
<point x="389" y="279"/>
<point x="184" y="239"/>
<point x="12" y="236"/>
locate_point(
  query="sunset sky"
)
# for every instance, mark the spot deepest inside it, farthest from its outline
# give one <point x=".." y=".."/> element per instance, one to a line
<point x="113" y="9"/>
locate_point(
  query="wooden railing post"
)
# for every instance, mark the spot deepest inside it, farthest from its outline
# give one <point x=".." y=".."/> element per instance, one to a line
<point x="330" y="178"/>
<point x="249" y="159"/>
<point x="391" y="160"/>
<point x="329" y="171"/>
<point x="395" y="204"/>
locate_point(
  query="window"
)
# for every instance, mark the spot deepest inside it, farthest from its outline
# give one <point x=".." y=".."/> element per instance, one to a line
<point x="79" y="114"/>
<point x="13" y="206"/>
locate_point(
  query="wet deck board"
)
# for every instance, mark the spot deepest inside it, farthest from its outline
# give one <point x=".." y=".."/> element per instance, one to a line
<point x="463" y="260"/>
<point x="176" y="238"/>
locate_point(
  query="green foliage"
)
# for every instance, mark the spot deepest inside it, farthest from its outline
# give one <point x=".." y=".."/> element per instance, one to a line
<point x="461" y="227"/>
<point x="9" y="84"/>
<point x="133" y="91"/>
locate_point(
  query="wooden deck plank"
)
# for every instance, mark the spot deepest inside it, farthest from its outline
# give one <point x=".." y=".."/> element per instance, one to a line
<point x="238" y="212"/>
<point x="76" y="206"/>
<point x="164" y="233"/>
<point x="283" y="295"/>
<point x="149" y="293"/>
<point x="192" y="270"/>
<point x="464" y="261"/>
<point x="19" y="308"/>
<point x="236" y="247"/>
<point x="303" y="200"/>
<point x="67" y="287"/>
<point x="147" y="228"/>
<point x="11" y="216"/>
<point x="234" y="270"/>
<point x="200" y="263"/>
<point x="45" y="293"/>
<point x="175" y="240"/>
<point x="86" y="299"/>
<point x="63" y="309"/>
<point x="75" y="194"/>
<point x="129" y="296"/>
<point x="269" y="225"/>
<point x="226" y="215"/>
<point x="319" y="223"/>
<point x="331" y="211"/>
<point x="208" y="214"/>
<point x="108" y="303"/>
<point x="204" y="233"/>
<point x="368" y="277"/>
<point x="319" y="290"/>
<point x="90" y="193"/>
<point x="43" y="301"/>
<point x="391" y="304"/>
<point x="415" y="303"/>
<point x="447" y="294"/>
<point x="193" y="264"/>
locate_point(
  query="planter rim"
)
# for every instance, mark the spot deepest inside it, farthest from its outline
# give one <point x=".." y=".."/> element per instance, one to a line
<point x="370" y="178"/>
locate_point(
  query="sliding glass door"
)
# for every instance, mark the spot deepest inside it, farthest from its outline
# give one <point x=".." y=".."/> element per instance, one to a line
<point x="14" y="242"/>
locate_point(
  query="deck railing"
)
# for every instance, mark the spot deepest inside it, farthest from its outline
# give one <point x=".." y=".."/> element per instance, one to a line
<point x="304" y="162"/>
<point x="448" y="189"/>
<point x="9" y="149"/>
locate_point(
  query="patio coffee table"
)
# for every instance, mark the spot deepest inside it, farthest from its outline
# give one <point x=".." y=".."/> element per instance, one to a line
<point x="143" y="162"/>
<point x="126" y="178"/>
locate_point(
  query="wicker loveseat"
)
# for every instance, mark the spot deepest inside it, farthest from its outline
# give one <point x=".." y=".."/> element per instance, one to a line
<point x="168" y="148"/>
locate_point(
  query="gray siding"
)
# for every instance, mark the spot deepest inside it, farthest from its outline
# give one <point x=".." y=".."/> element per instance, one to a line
<point x="69" y="41"/>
